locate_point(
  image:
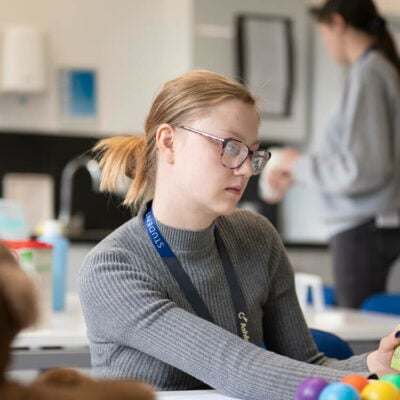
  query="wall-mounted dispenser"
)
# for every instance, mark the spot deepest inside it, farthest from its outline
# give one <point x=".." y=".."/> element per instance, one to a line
<point x="22" y="60"/>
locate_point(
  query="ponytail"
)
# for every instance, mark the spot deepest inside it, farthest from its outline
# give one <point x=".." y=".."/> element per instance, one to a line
<point x="386" y="45"/>
<point x="121" y="157"/>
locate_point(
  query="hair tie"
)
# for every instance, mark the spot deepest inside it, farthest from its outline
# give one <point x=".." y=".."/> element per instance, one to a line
<point x="376" y="25"/>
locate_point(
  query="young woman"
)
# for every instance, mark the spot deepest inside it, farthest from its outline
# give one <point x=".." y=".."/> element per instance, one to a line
<point x="183" y="295"/>
<point x="357" y="168"/>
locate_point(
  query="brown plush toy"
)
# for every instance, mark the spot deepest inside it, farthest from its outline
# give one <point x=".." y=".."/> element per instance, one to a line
<point x="18" y="310"/>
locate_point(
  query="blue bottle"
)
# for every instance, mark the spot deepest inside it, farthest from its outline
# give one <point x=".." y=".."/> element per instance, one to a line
<point x="53" y="234"/>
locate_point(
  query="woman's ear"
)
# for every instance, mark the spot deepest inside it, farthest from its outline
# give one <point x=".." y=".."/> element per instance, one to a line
<point x="165" y="138"/>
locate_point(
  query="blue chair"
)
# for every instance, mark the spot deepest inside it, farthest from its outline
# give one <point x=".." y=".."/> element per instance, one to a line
<point x="311" y="291"/>
<point x="329" y="296"/>
<point x="332" y="345"/>
<point x="383" y="302"/>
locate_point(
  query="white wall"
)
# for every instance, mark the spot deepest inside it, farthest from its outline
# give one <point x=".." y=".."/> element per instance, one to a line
<point x="134" y="45"/>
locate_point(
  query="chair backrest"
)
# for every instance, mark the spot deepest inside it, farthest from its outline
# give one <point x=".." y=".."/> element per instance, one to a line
<point x="383" y="302"/>
<point x="332" y="345"/>
<point x="309" y="286"/>
<point x="329" y="296"/>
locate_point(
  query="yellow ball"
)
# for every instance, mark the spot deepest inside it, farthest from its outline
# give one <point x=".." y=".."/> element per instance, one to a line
<point x="380" y="390"/>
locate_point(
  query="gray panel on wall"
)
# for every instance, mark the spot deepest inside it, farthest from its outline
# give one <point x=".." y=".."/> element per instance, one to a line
<point x="214" y="48"/>
<point x="301" y="214"/>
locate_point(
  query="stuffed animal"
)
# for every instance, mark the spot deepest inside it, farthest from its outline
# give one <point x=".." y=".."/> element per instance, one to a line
<point x="18" y="310"/>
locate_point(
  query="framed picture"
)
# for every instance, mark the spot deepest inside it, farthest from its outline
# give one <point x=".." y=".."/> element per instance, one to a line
<point x="265" y="61"/>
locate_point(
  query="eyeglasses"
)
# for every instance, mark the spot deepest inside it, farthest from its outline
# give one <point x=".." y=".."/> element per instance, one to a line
<point x="235" y="152"/>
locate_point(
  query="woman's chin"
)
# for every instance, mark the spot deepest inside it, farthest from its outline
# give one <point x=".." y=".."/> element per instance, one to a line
<point x="227" y="208"/>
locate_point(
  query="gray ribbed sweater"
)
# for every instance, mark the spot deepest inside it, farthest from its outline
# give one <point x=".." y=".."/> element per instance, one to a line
<point x="140" y="326"/>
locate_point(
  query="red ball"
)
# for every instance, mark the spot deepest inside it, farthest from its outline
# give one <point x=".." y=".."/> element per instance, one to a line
<point x="357" y="381"/>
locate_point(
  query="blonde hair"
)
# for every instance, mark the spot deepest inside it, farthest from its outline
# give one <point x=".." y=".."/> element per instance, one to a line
<point x="179" y="100"/>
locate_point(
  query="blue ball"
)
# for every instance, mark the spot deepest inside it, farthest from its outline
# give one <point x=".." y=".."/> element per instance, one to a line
<point x="339" y="391"/>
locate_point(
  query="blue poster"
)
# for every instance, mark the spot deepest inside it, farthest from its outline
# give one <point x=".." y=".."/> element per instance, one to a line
<point x="78" y="93"/>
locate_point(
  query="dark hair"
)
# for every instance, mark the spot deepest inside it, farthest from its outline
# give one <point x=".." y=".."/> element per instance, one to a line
<point x="362" y="15"/>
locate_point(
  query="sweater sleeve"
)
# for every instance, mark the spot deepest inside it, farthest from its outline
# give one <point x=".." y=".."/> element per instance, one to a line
<point x="357" y="156"/>
<point x="125" y="305"/>
<point x="285" y="328"/>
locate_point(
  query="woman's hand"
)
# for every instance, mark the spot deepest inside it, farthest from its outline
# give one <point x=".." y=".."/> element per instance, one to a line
<point x="379" y="360"/>
<point x="277" y="176"/>
<point x="288" y="158"/>
<point x="279" y="180"/>
<point x="273" y="185"/>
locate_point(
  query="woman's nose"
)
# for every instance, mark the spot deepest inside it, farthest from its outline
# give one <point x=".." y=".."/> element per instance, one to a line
<point x="246" y="168"/>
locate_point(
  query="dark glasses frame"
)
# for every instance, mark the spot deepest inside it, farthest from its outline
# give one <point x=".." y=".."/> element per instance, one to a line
<point x="264" y="154"/>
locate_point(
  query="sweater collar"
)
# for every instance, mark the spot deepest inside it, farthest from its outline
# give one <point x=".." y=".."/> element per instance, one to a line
<point x="181" y="239"/>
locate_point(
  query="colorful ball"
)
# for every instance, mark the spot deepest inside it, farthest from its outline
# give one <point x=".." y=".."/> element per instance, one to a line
<point x="392" y="378"/>
<point x="310" y="388"/>
<point x="339" y="391"/>
<point x="380" y="390"/>
<point x="357" y="381"/>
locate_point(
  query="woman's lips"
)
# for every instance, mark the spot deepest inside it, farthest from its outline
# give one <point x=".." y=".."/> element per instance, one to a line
<point x="234" y="189"/>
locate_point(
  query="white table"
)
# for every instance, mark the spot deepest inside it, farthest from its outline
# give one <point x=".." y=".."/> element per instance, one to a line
<point x="361" y="329"/>
<point x="66" y="341"/>
<point x="191" y="395"/>
<point x="351" y="324"/>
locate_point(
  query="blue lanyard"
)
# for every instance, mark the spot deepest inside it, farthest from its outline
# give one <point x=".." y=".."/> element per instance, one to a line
<point x="186" y="285"/>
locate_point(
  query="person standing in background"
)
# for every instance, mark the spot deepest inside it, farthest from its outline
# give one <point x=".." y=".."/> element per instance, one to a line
<point x="356" y="170"/>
